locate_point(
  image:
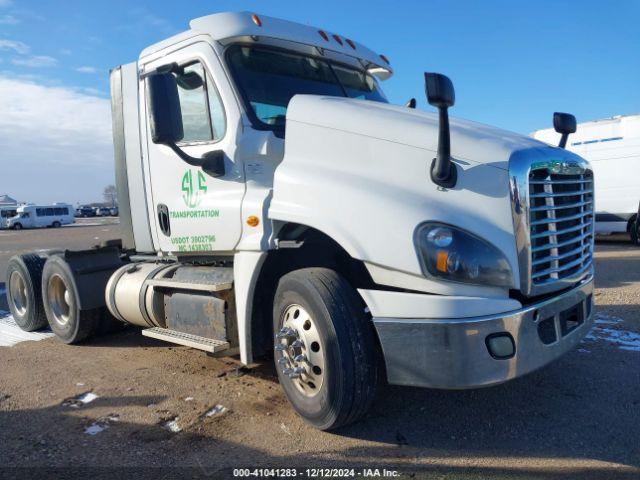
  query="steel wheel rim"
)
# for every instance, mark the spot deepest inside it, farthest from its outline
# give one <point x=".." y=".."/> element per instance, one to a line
<point x="18" y="289"/>
<point x="59" y="299"/>
<point x="299" y="350"/>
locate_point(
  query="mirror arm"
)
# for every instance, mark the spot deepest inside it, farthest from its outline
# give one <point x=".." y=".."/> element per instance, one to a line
<point x="211" y="162"/>
<point x="196" y="162"/>
<point x="443" y="170"/>
<point x="563" y="140"/>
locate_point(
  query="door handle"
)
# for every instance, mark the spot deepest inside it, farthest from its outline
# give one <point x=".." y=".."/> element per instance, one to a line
<point x="163" y="219"/>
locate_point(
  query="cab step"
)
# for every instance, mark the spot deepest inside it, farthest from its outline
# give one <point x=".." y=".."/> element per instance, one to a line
<point x="202" y="279"/>
<point x="194" y="341"/>
<point x="185" y="285"/>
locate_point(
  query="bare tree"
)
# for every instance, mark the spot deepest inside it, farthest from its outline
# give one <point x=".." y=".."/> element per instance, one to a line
<point x="110" y="195"/>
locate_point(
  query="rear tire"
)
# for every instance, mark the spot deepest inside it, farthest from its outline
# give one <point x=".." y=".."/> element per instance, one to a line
<point x="56" y="224"/>
<point x="339" y="347"/>
<point x="17" y="226"/>
<point x="24" y="292"/>
<point x="634" y="232"/>
<point x="61" y="304"/>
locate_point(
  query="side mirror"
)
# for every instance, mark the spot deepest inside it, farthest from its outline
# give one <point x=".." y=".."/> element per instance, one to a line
<point x="166" y="117"/>
<point x="441" y="95"/>
<point x="411" y="103"/>
<point x="564" y="124"/>
<point x="440" y="91"/>
<point x="164" y="108"/>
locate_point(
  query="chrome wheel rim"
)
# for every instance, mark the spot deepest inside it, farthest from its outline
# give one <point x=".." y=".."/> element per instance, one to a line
<point x="299" y="351"/>
<point x="59" y="299"/>
<point x="18" y="289"/>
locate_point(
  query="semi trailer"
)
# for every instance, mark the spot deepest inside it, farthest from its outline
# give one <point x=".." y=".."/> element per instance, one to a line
<point x="273" y="203"/>
<point x="612" y="146"/>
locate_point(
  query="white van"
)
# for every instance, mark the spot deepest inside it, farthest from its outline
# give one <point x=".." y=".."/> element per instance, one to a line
<point x="7" y="211"/>
<point x="612" y="145"/>
<point x="34" y="216"/>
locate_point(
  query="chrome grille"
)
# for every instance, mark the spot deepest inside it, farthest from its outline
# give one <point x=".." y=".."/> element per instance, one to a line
<point x="561" y="225"/>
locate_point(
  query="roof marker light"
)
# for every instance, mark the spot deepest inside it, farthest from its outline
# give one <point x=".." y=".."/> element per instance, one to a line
<point x="323" y="35"/>
<point x="386" y="60"/>
<point x="337" y="39"/>
<point x="256" y="20"/>
<point x="350" y="42"/>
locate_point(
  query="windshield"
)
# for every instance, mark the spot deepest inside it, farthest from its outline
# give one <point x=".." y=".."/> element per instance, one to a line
<point x="268" y="78"/>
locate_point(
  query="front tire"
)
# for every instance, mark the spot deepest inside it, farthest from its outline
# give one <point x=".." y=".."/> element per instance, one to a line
<point x="56" y="224"/>
<point x="61" y="303"/>
<point x="17" y="226"/>
<point x="325" y="348"/>
<point x="24" y="293"/>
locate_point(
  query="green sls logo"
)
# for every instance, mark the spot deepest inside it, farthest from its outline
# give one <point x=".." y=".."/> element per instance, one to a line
<point x="192" y="193"/>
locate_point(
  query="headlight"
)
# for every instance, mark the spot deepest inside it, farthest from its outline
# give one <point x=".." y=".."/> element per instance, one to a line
<point x="453" y="254"/>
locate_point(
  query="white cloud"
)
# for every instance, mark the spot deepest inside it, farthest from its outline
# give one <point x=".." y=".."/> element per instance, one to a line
<point x="8" y="20"/>
<point x="55" y="141"/>
<point x="87" y="70"/>
<point x="16" y="46"/>
<point x="35" y="61"/>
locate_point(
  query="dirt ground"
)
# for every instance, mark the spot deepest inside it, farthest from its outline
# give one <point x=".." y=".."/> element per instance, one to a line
<point x="577" y="418"/>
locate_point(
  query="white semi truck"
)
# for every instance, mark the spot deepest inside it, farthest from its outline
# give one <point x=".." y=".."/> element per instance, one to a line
<point x="273" y="202"/>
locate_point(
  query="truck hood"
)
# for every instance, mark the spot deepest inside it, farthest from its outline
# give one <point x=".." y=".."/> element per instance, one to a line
<point x="470" y="141"/>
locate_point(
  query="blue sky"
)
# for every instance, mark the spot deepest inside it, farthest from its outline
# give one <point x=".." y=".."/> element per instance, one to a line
<point x="512" y="64"/>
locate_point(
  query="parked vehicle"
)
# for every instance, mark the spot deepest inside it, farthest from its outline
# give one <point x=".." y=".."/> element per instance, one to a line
<point x="5" y="213"/>
<point x="612" y="146"/>
<point x="103" y="211"/>
<point x="113" y="211"/>
<point x="34" y="216"/>
<point x="454" y="252"/>
<point x="85" y="212"/>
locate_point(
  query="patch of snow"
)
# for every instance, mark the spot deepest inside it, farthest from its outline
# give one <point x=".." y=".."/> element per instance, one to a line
<point x="11" y="334"/>
<point x="603" y="330"/>
<point x="172" y="426"/>
<point x="217" y="410"/>
<point x="80" y="400"/>
<point x="101" y="424"/>
<point x="87" y="397"/>
<point x="95" y="428"/>
<point x="189" y="399"/>
<point x="79" y="384"/>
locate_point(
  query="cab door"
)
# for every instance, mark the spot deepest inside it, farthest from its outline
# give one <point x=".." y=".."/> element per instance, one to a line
<point x="193" y="211"/>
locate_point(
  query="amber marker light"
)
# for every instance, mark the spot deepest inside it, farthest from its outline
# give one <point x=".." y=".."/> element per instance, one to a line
<point x="256" y="20"/>
<point x="323" y="35"/>
<point x="337" y="39"/>
<point x="441" y="260"/>
<point x="253" y="221"/>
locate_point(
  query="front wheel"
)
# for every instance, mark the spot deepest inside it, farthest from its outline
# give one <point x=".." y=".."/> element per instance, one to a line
<point x="325" y="348"/>
<point x="17" y="226"/>
<point x="55" y="224"/>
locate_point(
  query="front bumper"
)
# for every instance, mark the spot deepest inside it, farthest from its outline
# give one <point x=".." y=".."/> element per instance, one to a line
<point x="454" y="353"/>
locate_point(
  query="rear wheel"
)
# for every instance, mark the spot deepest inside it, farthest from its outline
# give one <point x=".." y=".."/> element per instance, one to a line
<point x="634" y="230"/>
<point x="24" y="293"/>
<point x="55" y="224"/>
<point x="325" y="349"/>
<point x="17" y="226"/>
<point x="61" y="303"/>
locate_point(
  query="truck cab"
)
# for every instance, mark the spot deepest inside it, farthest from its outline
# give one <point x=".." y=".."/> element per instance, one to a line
<point x="272" y="202"/>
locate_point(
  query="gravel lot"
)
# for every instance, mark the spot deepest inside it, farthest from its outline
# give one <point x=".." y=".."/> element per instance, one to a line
<point x="577" y="418"/>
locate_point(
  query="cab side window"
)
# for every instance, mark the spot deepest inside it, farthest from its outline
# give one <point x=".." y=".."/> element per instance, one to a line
<point x="203" y="116"/>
